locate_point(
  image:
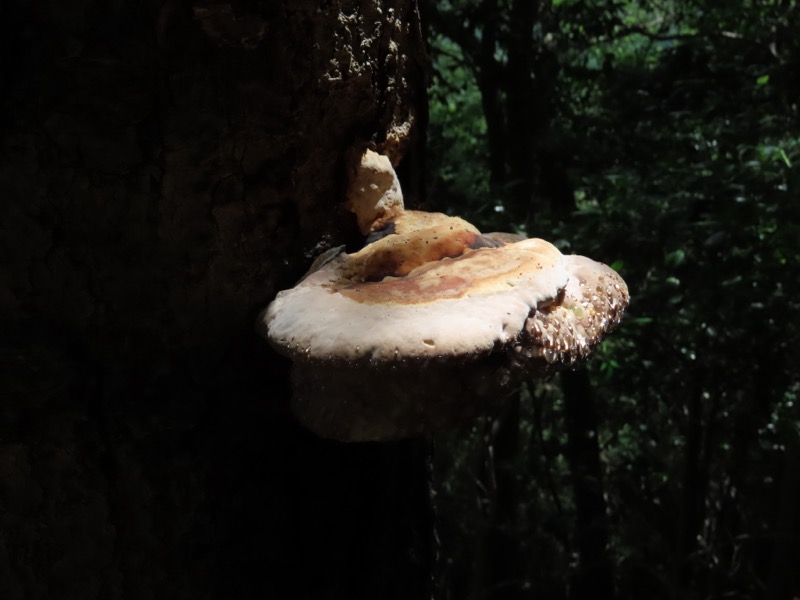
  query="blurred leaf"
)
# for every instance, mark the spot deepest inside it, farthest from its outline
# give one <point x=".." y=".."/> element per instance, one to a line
<point x="675" y="258"/>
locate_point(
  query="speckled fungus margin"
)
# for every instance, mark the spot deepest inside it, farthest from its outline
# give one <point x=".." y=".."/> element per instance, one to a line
<point x="427" y="325"/>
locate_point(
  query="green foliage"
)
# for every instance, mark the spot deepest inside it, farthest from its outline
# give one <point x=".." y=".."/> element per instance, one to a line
<point x="679" y="127"/>
<point x="457" y="130"/>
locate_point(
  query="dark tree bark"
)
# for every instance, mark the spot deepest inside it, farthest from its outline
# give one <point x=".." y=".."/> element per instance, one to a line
<point x="166" y="168"/>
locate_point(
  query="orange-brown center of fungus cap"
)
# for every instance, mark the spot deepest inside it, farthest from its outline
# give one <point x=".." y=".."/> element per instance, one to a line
<point x="418" y="238"/>
<point x="462" y="306"/>
<point x="477" y="272"/>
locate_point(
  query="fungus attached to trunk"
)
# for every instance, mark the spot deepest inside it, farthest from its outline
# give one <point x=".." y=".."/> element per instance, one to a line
<point x="430" y="322"/>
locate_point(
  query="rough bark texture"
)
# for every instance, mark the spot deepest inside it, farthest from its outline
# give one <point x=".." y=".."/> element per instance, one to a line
<point x="165" y="169"/>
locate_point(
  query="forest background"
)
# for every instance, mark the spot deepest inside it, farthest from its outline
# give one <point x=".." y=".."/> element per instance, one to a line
<point x="166" y="167"/>
<point x="661" y="137"/>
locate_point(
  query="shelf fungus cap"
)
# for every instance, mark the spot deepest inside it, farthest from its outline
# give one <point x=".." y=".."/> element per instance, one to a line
<point x="426" y="328"/>
<point x="444" y="309"/>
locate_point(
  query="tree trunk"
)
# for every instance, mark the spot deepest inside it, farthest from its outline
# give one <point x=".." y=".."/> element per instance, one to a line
<point x="693" y="488"/>
<point x="523" y="120"/>
<point x="166" y="168"/>
<point x="490" y="82"/>
<point x="594" y="577"/>
<point x="499" y="566"/>
<point x="783" y="578"/>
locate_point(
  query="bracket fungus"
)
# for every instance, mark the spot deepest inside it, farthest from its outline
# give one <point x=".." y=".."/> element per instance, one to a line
<point x="430" y="322"/>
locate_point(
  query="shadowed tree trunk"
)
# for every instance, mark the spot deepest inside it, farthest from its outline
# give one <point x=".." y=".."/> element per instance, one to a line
<point x="524" y="122"/>
<point x="166" y="168"/>
<point x="767" y="381"/>
<point x="783" y="576"/>
<point x="489" y="74"/>
<point x="693" y="488"/>
<point x="594" y="577"/>
<point x="499" y="568"/>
